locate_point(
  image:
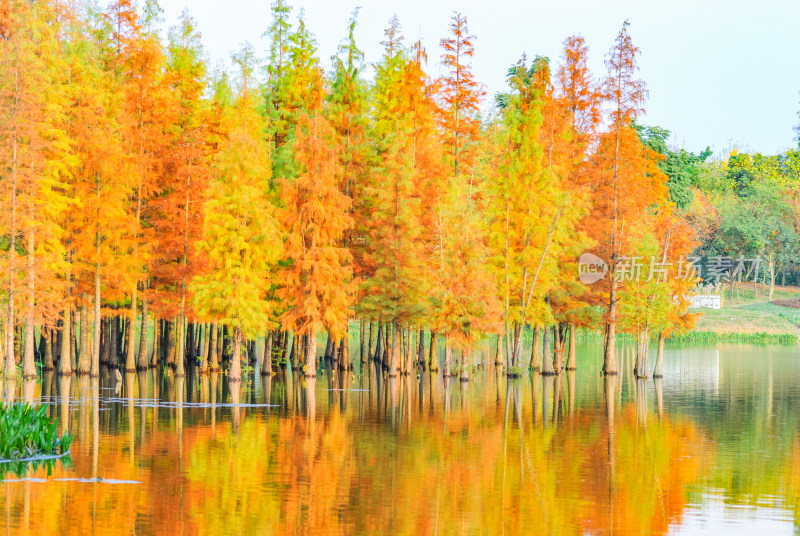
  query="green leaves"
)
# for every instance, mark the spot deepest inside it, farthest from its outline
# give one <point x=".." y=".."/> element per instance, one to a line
<point x="26" y="432"/>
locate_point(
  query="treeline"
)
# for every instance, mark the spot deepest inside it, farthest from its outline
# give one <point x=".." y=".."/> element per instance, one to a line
<point x="142" y="191"/>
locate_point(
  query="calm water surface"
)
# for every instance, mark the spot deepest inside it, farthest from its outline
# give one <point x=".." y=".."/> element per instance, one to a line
<point x="714" y="448"/>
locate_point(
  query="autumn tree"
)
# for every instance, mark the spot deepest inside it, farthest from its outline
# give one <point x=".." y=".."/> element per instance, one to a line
<point x="624" y="187"/>
<point x="467" y="299"/>
<point x="178" y="208"/>
<point x="315" y="218"/>
<point x="241" y="236"/>
<point x="36" y="160"/>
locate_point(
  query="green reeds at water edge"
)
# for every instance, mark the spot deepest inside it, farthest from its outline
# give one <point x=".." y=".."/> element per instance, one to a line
<point x="714" y="336"/>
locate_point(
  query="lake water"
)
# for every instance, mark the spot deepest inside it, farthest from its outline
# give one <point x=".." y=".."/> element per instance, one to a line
<point x="713" y="447"/>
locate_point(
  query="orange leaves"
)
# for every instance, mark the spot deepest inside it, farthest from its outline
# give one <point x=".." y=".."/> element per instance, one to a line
<point x="461" y="93"/>
<point x="316" y="281"/>
<point x="621" y="89"/>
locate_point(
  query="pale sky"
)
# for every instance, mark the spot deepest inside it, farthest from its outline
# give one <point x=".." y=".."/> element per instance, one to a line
<point x="720" y="72"/>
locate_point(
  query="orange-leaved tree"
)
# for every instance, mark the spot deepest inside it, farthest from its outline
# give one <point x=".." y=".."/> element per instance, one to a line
<point x="241" y="235"/>
<point x="316" y="281"/>
<point x="624" y="188"/>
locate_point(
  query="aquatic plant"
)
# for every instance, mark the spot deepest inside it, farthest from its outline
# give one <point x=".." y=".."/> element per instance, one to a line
<point x="26" y="432"/>
<point x="714" y="336"/>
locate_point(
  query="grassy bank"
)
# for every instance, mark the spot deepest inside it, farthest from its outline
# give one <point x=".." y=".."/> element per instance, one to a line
<point x="747" y="317"/>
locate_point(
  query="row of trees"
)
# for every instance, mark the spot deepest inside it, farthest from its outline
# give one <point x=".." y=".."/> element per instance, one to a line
<point x="142" y="192"/>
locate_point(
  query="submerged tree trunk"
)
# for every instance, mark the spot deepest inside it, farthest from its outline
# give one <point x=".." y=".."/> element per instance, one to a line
<point x="376" y="353"/>
<point x="310" y="364"/>
<point x="170" y="343"/>
<point x="610" y="367"/>
<point x="659" y="370"/>
<point x="640" y="368"/>
<point x="571" y="357"/>
<point x="11" y="366"/>
<point x="395" y="350"/>
<point x="142" y="357"/>
<point x="558" y="347"/>
<point x="95" y="345"/>
<point x="28" y="365"/>
<point x="536" y="350"/>
<point x="362" y="356"/>
<point x="235" y="372"/>
<point x="433" y="359"/>
<point x="421" y="350"/>
<point x="344" y="353"/>
<point x="266" y="365"/>
<point x="73" y="340"/>
<point x="499" y="357"/>
<point x="156" y="341"/>
<point x="47" y="358"/>
<point x="464" y="366"/>
<point x="547" y="354"/>
<point x="213" y="358"/>
<point x="448" y="355"/>
<point x="65" y="356"/>
<point x="180" y="357"/>
<point x="370" y="345"/>
<point x="293" y="356"/>
<point x="206" y="349"/>
<point x="84" y="357"/>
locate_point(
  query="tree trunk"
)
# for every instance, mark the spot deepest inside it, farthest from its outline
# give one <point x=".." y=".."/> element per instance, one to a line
<point x="571" y="357"/>
<point x="206" y="350"/>
<point x="47" y="359"/>
<point x="171" y="343"/>
<point x="113" y="336"/>
<point x="310" y="364"/>
<point x="284" y="343"/>
<point x="266" y="364"/>
<point x="28" y="357"/>
<point x="392" y="364"/>
<point x="464" y="366"/>
<point x="771" y="266"/>
<point x="421" y="349"/>
<point x="640" y="369"/>
<point x="376" y="356"/>
<point x="65" y="359"/>
<point x="433" y="359"/>
<point x="105" y="347"/>
<point x="610" y="351"/>
<point x="74" y="340"/>
<point x="536" y="350"/>
<point x="85" y="358"/>
<point x="370" y="347"/>
<point x="659" y="370"/>
<point x="11" y="365"/>
<point x="362" y="342"/>
<point x="499" y="358"/>
<point x="142" y="357"/>
<point x="157" y="325"/>
<point x="344" y="353"/>
<point x="448" y="354"/>
<point x="235" y="372"/>
<point x="558" y="347"/>
<point x="293" y="356"/>
<point x="180" y="357"/>
<point x="547" y="354"/>
<point x="213" y="358"/>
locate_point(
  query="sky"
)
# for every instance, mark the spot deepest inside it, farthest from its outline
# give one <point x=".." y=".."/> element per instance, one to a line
<point x="720" y="73"/>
